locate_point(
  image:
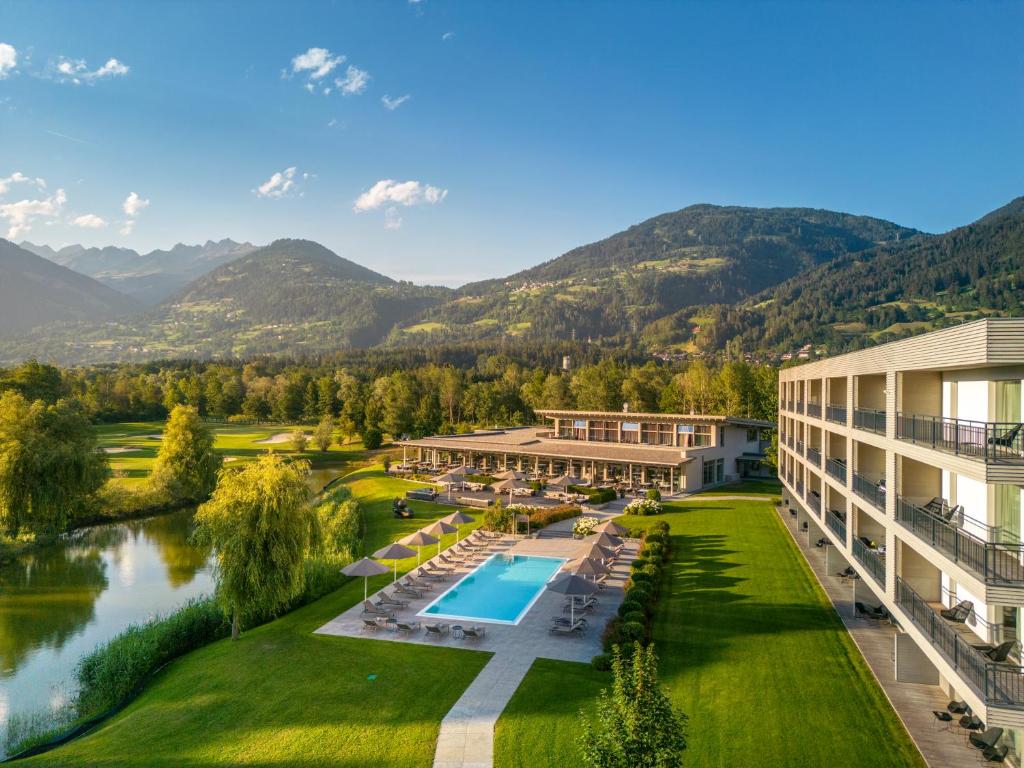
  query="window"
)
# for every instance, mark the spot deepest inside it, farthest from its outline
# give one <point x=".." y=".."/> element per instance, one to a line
<point x="694" y="435"/>
<point x="630" y="432"/>
<point x="721" y="435"/>
<point x="752" y="436"/>
<point x="714" y="471"/>
<point x="709" y="472"/>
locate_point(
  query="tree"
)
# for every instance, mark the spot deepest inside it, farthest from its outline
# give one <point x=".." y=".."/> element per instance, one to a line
<point x="50" y="465"/>
<point x="372" y="438"/>
<point x="323" y="435"/>
<point x="636" y="724"/>
<point x="260" y="523"/>
<point x="300" y="441"/>
<point x="186" y="466"/>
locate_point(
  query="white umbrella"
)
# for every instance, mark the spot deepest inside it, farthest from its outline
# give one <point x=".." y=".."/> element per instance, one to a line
<point x="394" y="552"/>
<point x="365" y="568"/>
<point x="572" y="585"/>
<point x="418" y="539"/>
<point x="458" y="519"/>
<point x="439" y="529"/>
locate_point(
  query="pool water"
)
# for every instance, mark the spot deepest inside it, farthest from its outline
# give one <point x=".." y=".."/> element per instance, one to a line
<point x="501" y="590"/>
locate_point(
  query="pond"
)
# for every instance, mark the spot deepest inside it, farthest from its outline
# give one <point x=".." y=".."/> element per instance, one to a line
<point x="59" y="602"/>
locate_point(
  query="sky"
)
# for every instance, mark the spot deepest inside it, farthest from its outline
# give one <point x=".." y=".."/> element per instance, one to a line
<point x="445" y="142"/>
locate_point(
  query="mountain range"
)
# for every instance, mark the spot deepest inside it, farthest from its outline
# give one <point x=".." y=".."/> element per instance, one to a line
<point x="696" y="281"/>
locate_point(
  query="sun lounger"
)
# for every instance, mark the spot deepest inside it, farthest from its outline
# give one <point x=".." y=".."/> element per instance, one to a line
<point x="386" y="599"/>
<point x="436" y="630"/>
<point x="565" y="629"/>
<point x="996" y="754"/>
<point x="958" y="614"/>
<point x="407" y="626"/>
<point x="386" y="622"/>
<point x="425" y="574"/>
<point x="986" y="740"/>
<point x="565" y="622"/>
<point x="451" y="562"/>
<point x="409" y="581"/>
<point x="437" y="570"/>
<point x="877" y="612"/>
<point x="847" y="573"/>
<point x="434" y="565"/>
<point x="404" y="589"/>
<point x="999" y="653"/>
<point x="369" y="623"/>
<point x="581" y="600"/>
<point x="375" y="609"/>
<point x="476" y="633"/>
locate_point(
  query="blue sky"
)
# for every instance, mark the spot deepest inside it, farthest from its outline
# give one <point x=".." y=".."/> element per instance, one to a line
<point x="529" y="128"/>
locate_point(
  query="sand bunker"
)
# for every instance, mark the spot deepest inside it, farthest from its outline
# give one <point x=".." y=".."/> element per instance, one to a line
<point x="121" y="449"/>
<point x="280" y="437"/>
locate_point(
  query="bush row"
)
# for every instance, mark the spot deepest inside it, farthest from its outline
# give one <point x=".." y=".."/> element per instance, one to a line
<point x="499" y="517"/>
<point x="633" y="622"/>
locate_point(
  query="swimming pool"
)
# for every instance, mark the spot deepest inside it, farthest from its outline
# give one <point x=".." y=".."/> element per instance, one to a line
<point x="501" y="590"/>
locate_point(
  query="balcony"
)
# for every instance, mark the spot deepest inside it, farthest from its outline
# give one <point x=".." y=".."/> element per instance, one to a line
<point x="814" y="456"/>
<point x="800" y="488"/>
<point x="991" y="442"/>
<point x="814" y="502"/>
<point x="836" y="524"/>
<point x="991" y="562"/>
<point x="1000" y="685"/>
<point x="836" y="469"/>
<point x="872" y="560"/>
<point x="790" y="441"/>
<point x="790" y="405"/>
<point x="789" y="478"/>
<point x="870" y="491"/>
<point x="814" y="410"/>
<point x="799" y="406"/>
<point x="800" y="447"/>
<point x="835" y="413"/>
<point x="870" y="420"/>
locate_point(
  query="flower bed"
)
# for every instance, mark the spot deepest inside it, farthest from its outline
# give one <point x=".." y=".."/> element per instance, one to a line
<point x="643" y="507"/>
<point x="584" y="526"/>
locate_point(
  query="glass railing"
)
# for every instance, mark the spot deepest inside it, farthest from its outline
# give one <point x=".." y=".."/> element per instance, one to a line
<point x="814" y="501"/>
<point x="790" y="405"/>
<point x="869" y="419"/>
<point x="991" y="442"/>
<point x="814" y="409"/>
<point x="992" y="562"/>
<point x="790" y="441"/>
<point x="836" y="413"/>
<point x="814" y="456"/>
<point x="872" y="561"/>
<point x="836" y="524"/>
<point x="869" y="490"/>
<point x="800" y="447"/>
<point x="800" y="488"/>
<point x="799" y="406"/>
<point x="1001" y="685"/>
<point x="837" y="469"/>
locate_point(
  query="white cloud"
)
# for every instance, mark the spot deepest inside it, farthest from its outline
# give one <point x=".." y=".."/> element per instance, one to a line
<point x="21" y="215"/>
<point x="389" y="192"/>
<point x="19" y="178"/>
<point x="77" y="71"/>
<point x="355" y="81"/>
<point x="392" y="219"/>
<point x="447" y="36"/>
<point x="133" y="205"/>
<point x="394" y="103"/>
<point x="89" y="221"/>
<point x="318" y="62"/>
<point x="8" y="59"/>
<point x="282" y="183"/>
<point x="127" y="227"/>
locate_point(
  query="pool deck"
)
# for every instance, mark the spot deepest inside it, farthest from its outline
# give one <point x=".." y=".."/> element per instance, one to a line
<point x="466" y="738"/>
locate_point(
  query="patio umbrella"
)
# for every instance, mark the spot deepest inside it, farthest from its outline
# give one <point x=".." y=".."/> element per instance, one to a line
<point x="596" y="551"/>
<point x="457" y="519"/>
<point x="572" y="585"/>
<point x="510" y="485"/>
<point x="586" y="566"/>
<point x="439" y="529"/>
<point x="565" y="481"/>
<point x="511" y="474"/>
<point x="394" y="552"/>
<point x="610" y="526"/>
<point x="604" y="539"/>
<point x="365" y="568"/>
<point x="418" y="539"/>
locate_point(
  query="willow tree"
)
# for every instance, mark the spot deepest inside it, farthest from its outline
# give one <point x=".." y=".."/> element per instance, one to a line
<point x="50" y="465"/>
<point x="186" y="466"/>
<point x="261" y="524"/>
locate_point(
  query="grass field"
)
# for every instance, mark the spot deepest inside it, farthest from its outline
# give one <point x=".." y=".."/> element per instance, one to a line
<point x="749" y="648"/>
<point x="282" y="696"/>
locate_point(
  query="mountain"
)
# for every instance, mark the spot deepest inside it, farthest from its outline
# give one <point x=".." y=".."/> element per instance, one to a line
<point x="881" y="294"/>
<point x="151" y="277"/>
<point x="35" y="291"/>
<point x="291" y="297"/>
<point x="613" y="288"/>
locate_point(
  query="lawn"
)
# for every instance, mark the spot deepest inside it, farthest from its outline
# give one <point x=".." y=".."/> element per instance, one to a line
<point x="282" y="696"/>
<point x="751" y="650"/>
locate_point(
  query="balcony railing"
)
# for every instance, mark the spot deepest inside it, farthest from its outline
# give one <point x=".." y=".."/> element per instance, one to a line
<point x="869" y="490"/>
<point x="992" y="562"/>
<point x="837" y="469"/>
<point x="800" y="488"/>
<point x="800" y="447"/>
<point x="789" y="477"/>
<point x="814" y="456"/>
<point x="991" y="442"/>
<point x="814" y="501"/>
<point x="836" y="413"/>
<point x="1001" y="685"/>
<point x="790" y="441"/>
<point x="790" y="405"/>
<point x="814" y="409"/>
<point x="871" y="560"/>
<point x="836" y="524"/>
<point x="870" y="420"/>
<point x="799" y="406"/>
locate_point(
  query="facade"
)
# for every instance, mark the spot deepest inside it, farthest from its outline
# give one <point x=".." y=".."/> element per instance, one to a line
<point x="673" y="452"/>
<point x="908" y="459"/>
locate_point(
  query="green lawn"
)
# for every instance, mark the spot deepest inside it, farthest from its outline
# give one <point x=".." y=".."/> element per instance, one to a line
<point x="282" y="696"/>
<point x="750" y="649"/>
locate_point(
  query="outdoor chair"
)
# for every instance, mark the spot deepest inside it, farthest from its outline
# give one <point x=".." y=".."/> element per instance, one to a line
<point x="423" y="573"/>
<point x="408" y="581"/>
<point x="448" y="562"/>
<point x="370" y="624"/>
<point x="847" y="573"/>
<point x="822" y="542"/>
<point x="943" y="720"/>
<point x="375" y="609"/>
<point x="562" y="621"/>
<point x="581" y="600"/>
<point x="407" y="626"/>
<point x="387" y="622"/>
<point x="970" y="723"/>
<point x="436" y="630"/>
<point x="958" y="614"/>
<point x="999" y="653"/>
<point x="565" y="629"/>
<point x="1006" y="439"/>
<point x="431" y="565"/>
<point x="876" y="612"/>
<point x="476" y="633"/>
<point x="986" y="740"/>
<point x="403" y="589"/>
<point x="996" y="754"/>
<point x="386" y="599"/>
<point x="958" y="707"/>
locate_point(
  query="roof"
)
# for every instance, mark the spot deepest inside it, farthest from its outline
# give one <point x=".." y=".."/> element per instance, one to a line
<point x="528" y="441"/>
<point x="664" y="418"/>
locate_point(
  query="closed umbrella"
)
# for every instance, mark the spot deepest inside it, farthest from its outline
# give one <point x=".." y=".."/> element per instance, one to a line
<point x="418" y="539"/>
<point x="572" y="585"/>
<point x="394" y="552"/>
<point x="457" y="519"/>
<point x="439" y="529"/>
<point x="610" y="526"/>
<point x="365" y="568"/>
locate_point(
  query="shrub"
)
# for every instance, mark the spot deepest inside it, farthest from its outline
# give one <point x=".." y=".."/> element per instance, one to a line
<point x="499" y="518"/>
<point x="650" y="568"/>
<point x="584" y="526"/>
<point x="639" y="577"/>
<point x="598" y="496"/>
<point x="602" y="662"/>
<point x="654" y="494"/>
<point x="610" y="636"/>
<point x="660" y="525"/>
<point x="640" y="593"/>
<point x="372" y="438"/>
<point x="632" y="631"/>
<point x="631" y="606"/>
<point x="635" y="616"/>
<point x="643" y="507"/>
<point x="545" y="516"/>
<point x="640" y="562"/>
<point x="653" y="551"/>
<point x="655" y="537"/>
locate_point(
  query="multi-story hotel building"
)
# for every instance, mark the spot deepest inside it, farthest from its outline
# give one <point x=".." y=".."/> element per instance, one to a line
<point x="908" y="459"/>
<point x="674" y="452"/>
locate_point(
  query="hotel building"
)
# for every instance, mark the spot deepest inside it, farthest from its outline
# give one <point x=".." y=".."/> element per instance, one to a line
<point x="674" y="452"/>
<point x="908" y="459"/>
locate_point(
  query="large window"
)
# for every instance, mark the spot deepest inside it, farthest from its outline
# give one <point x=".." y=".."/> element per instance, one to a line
<point x="694" y="435"/>
<point x="630" y="432"/>
<point x="656" y="434"/>
<point x="714" y="471"/>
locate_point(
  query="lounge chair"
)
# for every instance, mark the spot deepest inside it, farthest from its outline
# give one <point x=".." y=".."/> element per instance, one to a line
<point x="386" y="622"/>
<point x="986" y="740"/>
<point x="999" y="653"/>
<point x="581" y="600"/>
<point x="847" y="573"/>
<point x="995" y="754"/>
<point x="476" y="633"/>
<point x="409" y="581"/>
<point x="425" y="574"/>
<point x="386" y="599"/>
<point x="450" y="562"/>
<point x="565" y="622"/>
<point x="439" y="566"/>
<point x="437" y="570"/>
<point x="958" y="614"/>
<point x="403" y="589"/>
<point x="436" y="630"/>
<point x="1005" y="440"/>
<point x="407" y="626"/>
<point x="957" y="707"/>
<point x="877" y="612"/>
<point x="565" y="629"/>
<point x="375" y="609"/>
<point x="369" y="623"/>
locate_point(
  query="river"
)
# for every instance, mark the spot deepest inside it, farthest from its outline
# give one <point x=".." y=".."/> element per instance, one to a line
<point x="57" y="603"/>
